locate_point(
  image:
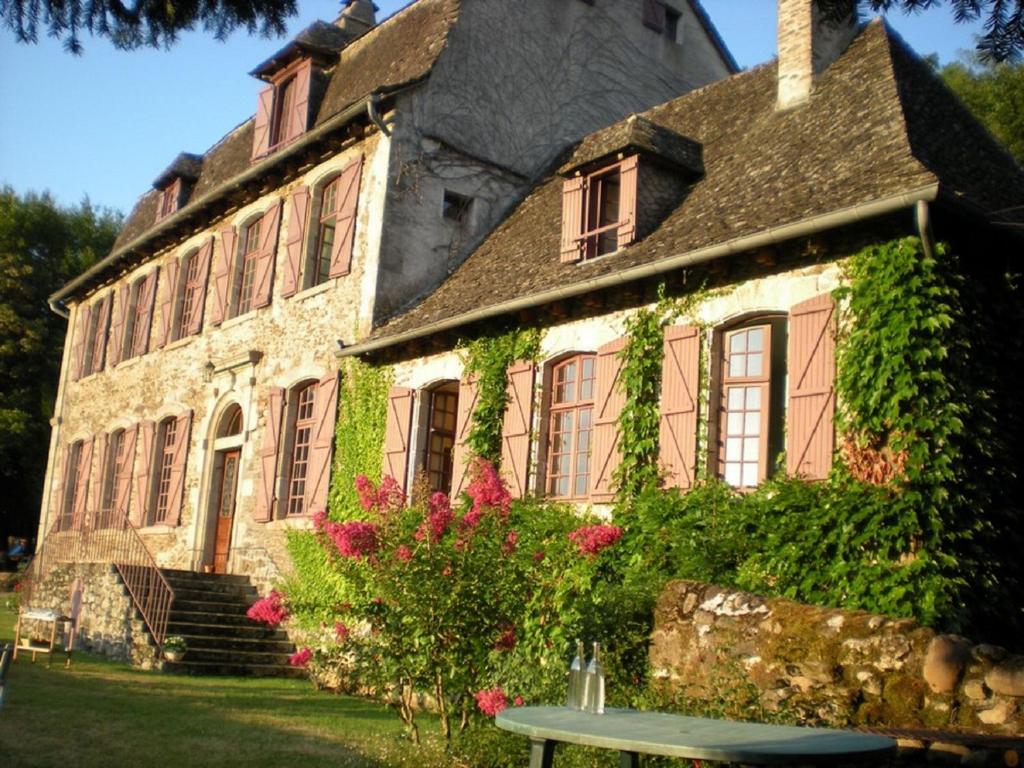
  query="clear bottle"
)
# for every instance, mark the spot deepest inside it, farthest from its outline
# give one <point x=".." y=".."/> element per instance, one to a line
<point x="593" y="701"/>
<point x="574" y="699"/>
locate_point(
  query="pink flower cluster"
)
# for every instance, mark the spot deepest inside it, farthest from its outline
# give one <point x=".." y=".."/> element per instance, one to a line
<point x="353" y="539"/>
<point x="341" y="632"/>
<point x="403" y="553"/>
<point x="491" y="701"/>
<point x="300" y="658"/>
<point x="507" y="641"/>
<point x="270" y="609"/>
<point x="591" y="539"/>
<point x="439" y="517"/>
<point x="486" y="489"/>
<point x="511" y="542"/>
<point x="384" y="500"/>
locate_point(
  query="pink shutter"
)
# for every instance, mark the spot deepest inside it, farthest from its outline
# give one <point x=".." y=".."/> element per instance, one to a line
<point x="298" y="120"/>
<point x="123" y="476"/>
<point x="78" y="347"/>
<point x="100" y="450"/>
<point x="222" y="276"/>
<point x="609" y="399"/>
<point x="515" y="431"/>
<point x="170" y="288"/>
<point x="147" y="299"/>
<point x="627" y="200"/>
<point x="195" y="324"/>
<point x="82" y="485"/>
<point x="266" y="493"/>
<point x="115" y="345"/>
<point x="261" y="129"/>
<point x="810" y="435"/>
<point x="654" y="15"/>
<point x="60" y="485"/>
<point x="143" y="467"/>
<point x="99" y="347"/>
<point x="179" y="465"/>
<point x="263" y="285"/>
<point x="318" y="473"/>
<point x="463" y="425"/>
<point x="680" y="379"/>
<point x="298" y="208"/>
<point x="572" y="218"/>
<point x="345" y="222"/>
<point x="396" y="435"/>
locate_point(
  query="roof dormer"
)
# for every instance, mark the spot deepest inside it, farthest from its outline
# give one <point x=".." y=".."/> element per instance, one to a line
<point x="175" y="183"/>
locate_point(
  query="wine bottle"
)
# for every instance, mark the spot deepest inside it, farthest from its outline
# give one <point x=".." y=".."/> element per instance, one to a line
<point x="594" y="684"/>
<point x="574" y="699"/>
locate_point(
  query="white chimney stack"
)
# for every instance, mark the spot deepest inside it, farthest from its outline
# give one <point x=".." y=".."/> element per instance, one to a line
<point x="807" y="46"/>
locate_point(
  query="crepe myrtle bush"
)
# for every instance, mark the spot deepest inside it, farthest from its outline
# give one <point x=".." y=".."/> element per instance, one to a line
<point x="474" y="601"/>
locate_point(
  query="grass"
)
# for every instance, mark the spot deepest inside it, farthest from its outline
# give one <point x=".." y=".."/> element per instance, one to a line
<point x="106" y="714"/>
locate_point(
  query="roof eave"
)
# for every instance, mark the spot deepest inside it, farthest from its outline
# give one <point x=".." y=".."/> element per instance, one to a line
<point x="771" y="236"/>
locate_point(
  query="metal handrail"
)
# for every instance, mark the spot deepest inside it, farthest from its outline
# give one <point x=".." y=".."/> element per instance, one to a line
<point x="122" y="546"/>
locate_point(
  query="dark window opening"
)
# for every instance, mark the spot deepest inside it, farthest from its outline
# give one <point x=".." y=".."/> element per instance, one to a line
<point x="456" y="207"/>
<point x="284" y="99"/>
<point x="672" y="17"/>
<point x="601" y="212"/>
<point x="437" y="459"/>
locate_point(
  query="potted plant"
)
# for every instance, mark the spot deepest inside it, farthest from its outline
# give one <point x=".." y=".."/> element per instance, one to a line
<point x="175" y="647"/>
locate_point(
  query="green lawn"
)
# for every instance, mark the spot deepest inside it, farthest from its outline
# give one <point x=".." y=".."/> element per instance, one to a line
<point x="100" y="713"/>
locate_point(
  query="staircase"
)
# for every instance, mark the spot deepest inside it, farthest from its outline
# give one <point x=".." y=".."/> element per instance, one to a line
<point x="209" y="612"/>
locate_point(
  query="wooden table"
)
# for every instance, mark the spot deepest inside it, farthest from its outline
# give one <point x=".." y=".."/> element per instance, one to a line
<point x="655" y="733"/>
<point x="55" y="620"/>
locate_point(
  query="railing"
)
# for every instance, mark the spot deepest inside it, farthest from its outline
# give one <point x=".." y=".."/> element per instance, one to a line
<point x="121" y="545"/>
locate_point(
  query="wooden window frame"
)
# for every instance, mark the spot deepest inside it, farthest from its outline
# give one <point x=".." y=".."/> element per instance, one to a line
<point x="300" y="427"/>
<point x="317" y="267"/>
<point x="89" y="351"/>
<point x="72" y="487"/>
<point x="136" y="342"/>
<point x="578" y="406"/>
<point x="113" y="464"/>
<point x="593" y="233"/>
<point x="167" y="436"/>
<point x="444" y="393"/>
<point x="284" y="100"/>
<point x="245" y="267"/>
<point x="189" y="286"/>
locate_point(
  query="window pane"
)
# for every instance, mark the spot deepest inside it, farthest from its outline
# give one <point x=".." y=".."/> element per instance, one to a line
<point x="733" y="448"/>
<point x="738" y="365"/>
<point x="753" y="398"/>
<point x="735" y="424"/>
<point x="751" y="449"/>
<point x="735" y="398"/>
<point x="749" y="475"/>
<point x="752" y="423"/>
<point x="755" y="363"/>
<point x="755" y="340"/>
<point x="733" y="474"/>
<point x="738" y="342"/>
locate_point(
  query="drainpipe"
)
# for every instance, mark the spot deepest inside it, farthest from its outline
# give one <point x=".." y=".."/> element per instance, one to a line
<point x="923" y="218"/>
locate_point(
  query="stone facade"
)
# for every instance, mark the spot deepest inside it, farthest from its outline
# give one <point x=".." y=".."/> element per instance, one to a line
<point x="846" y="668"/>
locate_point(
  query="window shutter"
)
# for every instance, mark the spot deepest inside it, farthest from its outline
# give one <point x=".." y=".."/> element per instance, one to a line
<point x="82" y="485"/>
<point x="78" y="347"/>
<point x="264" y="278"/>
<point x="147" y="298"/>
<point x="143" y="467"/>
<point x="222" y="275"/>
<point x="463" y="425"/>
<point x="572" y="218"/>
<point x="266" y="494"/>
<point x="100" y="443"/>
<point x="627" y="200"/>
<point x="59" y="487"/>
<point x="345" y="222"/>
<point x="179" y="466"/>
<point x="680" y="379"/>
<point x="123" y="476"/>
<point x="298" y="207"/>
<point x="115" y="344"/>
<point x="608" y="403"/>
<point x="170" y="289"/>
<point x="515" y="432"/>
<point x="298" y="120"/>
<point x="810" y="435"/>
<point x="318" y="473"/>
<point x="99" y="347"/>
<point x="195" y="324"/>
<point x="261" y="129"/>
<point x="654" y="15"/>
<point x="396" y="435"/>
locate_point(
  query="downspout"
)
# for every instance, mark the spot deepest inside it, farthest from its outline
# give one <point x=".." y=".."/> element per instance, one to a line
<point x="923" y="218"/>
<point x="372" y="104"/>
<point x="58" y="309"/>
<point x="57" y="422"/>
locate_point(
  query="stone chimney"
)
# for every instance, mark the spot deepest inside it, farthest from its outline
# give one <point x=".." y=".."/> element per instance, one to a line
<point x="357" y="17"/>
<point x="808" y="44"/>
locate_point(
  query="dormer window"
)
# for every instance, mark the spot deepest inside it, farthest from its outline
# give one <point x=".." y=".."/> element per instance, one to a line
<point x="170" y="199"/>
<point x="662" y="18"/>
<point x="599" y="210"/>
<point x="282" y="113"/>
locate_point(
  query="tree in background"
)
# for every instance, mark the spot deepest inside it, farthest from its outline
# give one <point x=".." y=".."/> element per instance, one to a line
<point x="994" y="93"/>
<point x="42" y="246"/>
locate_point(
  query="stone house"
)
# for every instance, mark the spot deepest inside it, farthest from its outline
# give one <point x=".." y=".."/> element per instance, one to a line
<point x="199" y="382"/>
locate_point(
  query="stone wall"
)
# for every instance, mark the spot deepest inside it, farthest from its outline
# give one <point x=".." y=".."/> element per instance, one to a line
<point x="107" y="622"/>
<point x="833" y="666"/>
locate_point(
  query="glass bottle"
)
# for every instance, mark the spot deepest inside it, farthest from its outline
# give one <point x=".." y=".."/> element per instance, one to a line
<point x="574" y="699"/>
<point x="594" y="684"/>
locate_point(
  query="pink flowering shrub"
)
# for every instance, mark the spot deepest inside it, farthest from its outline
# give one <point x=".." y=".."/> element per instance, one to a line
<point x="487" y="489"/>
<point x="491" y="701"/>
<point x="270" y="609"/>
<point x="353" y="539"/>
<point x="591" y="539"/>
<point x="300" y="658"/>
<point x="439" y="517"/>
<point x="385" y="500"/>
<point x="403" y="553"/>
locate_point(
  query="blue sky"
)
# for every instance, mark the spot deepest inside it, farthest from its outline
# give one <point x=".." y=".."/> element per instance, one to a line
<point x="105" y="124"/>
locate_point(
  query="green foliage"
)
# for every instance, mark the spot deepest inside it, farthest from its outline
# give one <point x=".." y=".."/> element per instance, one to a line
<point x="995" y="94"/>
<point x="488" y="358"/>
<point x="42" y="246"/>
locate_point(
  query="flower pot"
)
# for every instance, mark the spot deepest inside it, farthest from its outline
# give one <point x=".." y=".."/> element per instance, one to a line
<point x="174" y="655"/>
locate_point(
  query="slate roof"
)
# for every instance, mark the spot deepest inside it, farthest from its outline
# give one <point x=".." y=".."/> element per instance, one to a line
<point x="878" y="126"/>
<point x="399" y="50"/>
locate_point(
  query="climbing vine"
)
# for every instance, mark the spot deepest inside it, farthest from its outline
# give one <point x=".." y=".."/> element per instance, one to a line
<point x="488" y="358"/>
